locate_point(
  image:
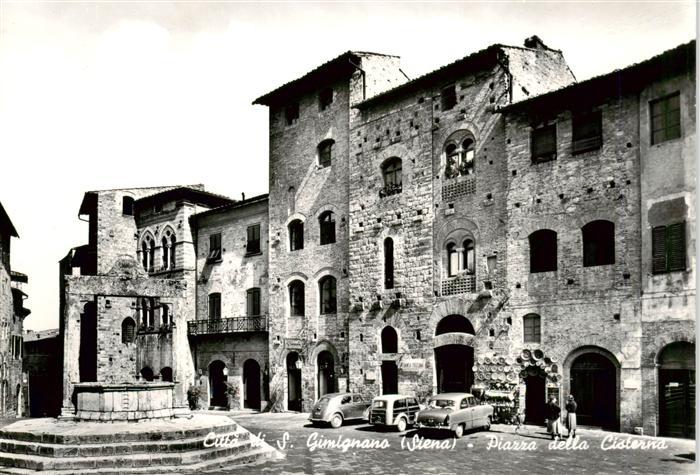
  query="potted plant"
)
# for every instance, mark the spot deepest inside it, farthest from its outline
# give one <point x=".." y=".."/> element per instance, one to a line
<point x="194" y="394"/>
<point x="232" y="396"/>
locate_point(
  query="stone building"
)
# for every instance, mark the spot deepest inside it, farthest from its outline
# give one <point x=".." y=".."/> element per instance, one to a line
<point x="12" y="315"/>
<point x="41" y="364"/>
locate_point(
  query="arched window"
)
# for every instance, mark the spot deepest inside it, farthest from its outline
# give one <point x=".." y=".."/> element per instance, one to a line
<point x="164" y="254"/>
<point x="127" y="205"/>
<point x="391" y="171"/>
<point x="327" y="225"/>
<point x="148" y="253"/>
<point x="166" y="318"/>
<point x="147" y="374"/>
<point x="468" y="255"/>
<point x="454" y="324"/>
<point x="543" y="251"/>
<point x="325" y="153"/>
<point x="598" y="243"/>
<point x="296" y="235"/>
<point x="128" y="330"/>
<point x="459" y="155"/>
<point x="296" y="298"/>
<point x="390" y="340"/>
<point x="144" y="255"/>
<point x="531" y="328"/>
<point x="452" y="260"/>
<point x="215" y="306"/>
<point x="388" y="263"/>
<point x="166" y="374"/>
<point x="173" y="240"/>
<point x="327" y="291"/>
<point x="460" y="259"/>
<point x="147" y="312"/>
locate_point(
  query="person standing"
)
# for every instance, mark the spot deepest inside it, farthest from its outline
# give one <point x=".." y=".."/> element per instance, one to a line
<point x="553" y="412"/>
<point x="571" y="407"/>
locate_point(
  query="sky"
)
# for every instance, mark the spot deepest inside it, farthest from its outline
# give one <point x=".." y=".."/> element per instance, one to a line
<point x="98" y="95"/>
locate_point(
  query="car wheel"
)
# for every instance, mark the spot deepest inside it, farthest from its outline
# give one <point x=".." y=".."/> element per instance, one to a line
<point x="459" y="430"/>
<point x="488" y="423"/>
<point x="401" y="425"/>
<point x="336" y="421"/>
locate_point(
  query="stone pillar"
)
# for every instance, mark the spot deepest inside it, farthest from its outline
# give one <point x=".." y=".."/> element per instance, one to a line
<point x="71" y="351"/>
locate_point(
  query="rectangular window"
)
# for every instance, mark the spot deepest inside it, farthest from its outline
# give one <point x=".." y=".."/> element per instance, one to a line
<point x="544" y="144"/>
<point x="253" y="244"/>
<point x="214" y="306"/>
<point x="448" y="97"/>
<point x="291" y="113"/>
<point x="214" y="248"/>
<point x="531" y="330"/>
<point x="586" y="132"/>
<point x="668" y="249"/>
<point x="127" y="205"/>
<point x="325" y="99"/>
<point x="665" y="118"/>
<point x="253" y="302"/>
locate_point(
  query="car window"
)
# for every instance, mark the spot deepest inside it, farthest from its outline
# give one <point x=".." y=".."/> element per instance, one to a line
<point x="412" y="402"/>
<point x="380" y="404"/>
<point x="464" y="403"/>
<point x="472" y="401"/>
<point x="345" y="400"/>
<point x="442" y="403"/>
<point x="400" y="403"/>
<point x="357" y="398"/>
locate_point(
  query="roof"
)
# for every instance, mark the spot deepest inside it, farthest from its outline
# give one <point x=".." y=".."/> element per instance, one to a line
<point x="232" y="206"/>
<point x="90" y="197"/>
<point x="186" y="193"/>
<point x="475" y="60"/>
<point x="6" y="222"/>
<point x="615" y="83"/>
<point x="18" y="277"/>
<point x="336" y="68"/>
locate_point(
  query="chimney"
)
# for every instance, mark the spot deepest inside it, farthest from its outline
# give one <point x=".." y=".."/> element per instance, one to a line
<point x="242" y="196"/>
<point x="535" y="42"/>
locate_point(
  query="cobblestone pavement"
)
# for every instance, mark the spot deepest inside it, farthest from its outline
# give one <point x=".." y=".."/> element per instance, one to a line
<point x="470" y="454"/>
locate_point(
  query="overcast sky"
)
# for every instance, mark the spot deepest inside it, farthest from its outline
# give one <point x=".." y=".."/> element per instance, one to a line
<point x="113" y="95"/>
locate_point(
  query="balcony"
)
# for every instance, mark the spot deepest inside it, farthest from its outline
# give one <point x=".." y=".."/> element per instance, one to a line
<point x="461" y="284"/>
<point x="256" y="323"/>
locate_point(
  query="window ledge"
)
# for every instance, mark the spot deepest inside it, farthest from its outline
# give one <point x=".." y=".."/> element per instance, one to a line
<point x="252" y="254"/>
<point x="214" y="261"/>
<point x="667" y="141"/>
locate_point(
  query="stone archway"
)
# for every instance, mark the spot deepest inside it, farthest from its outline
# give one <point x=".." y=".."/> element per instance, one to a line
<point x="325" y="366"/>
<point x="594" y="381"/>
<point x="676" y="388"/>
<point x="294" y="394"/>
<point x="454" y="354"/>
<point x="251" y="384"/>
<point x="217" y="384"/>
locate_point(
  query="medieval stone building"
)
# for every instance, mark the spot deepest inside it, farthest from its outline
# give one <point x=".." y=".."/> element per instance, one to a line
<point x="13" y="388"/>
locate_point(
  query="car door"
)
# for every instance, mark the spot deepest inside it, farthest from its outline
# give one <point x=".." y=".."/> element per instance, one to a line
<point x="358" y="406"/>
<point x="412" y="410"/>
<point x="345" y="406"/>
<point x="477" y="412"/>
<point x="466" y="413"/>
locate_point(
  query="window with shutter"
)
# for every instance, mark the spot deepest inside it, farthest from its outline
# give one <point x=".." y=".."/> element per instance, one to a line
<point x="214" y="306"/>
<point x="658" y="249"/>
<point x="214" y="248"/>
<point x="668" y="250"/>
<point x="665" y="118"/>
<point x="531" y="329"/>
<point x="253" y="244"/>
<point x="586" y="132"/>
<point x="544" y="144"/>
<point x="253" y="302"/>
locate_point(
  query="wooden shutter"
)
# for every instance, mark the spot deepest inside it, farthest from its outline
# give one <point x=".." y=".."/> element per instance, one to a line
<point x="675" y="245"/>
<point x="658" y="249"/>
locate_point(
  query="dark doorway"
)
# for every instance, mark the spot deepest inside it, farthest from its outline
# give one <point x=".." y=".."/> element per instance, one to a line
<point x="166" y="374"/>
<point x="293" y="382"/>
<point x="251" y="384"/>
<point x="454" y="324"/>
<point x="390" y="340"/>
<point x="594" y="385"/>
<point x="326" y="373"/>
<point x="87" y="359"/>
<point x="534" y="397"/>
<point x="390" y="377"/>
<point x="217" y="384"/>
<point x="453" y="365"/>
<point x="677" y="390"/>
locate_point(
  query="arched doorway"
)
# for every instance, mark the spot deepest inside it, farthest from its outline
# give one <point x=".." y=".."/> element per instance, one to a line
<point x="293" y="382"/>
<point x="535" y="396"/>
<point x="87" y="358"/>
<point x="454" y="361"/>
<point x="454" y="324"/>
<point x="677" y="390"/>
<point x="390" y="377"/>
<point x="594" y="385"/>
<point x="326" y="373"/>
<point x="390" y="340"/>
<point x="217" y="384"/>
<point x="251" y="384"/>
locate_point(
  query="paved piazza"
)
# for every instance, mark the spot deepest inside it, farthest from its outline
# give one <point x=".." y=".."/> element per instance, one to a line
<point x="468" y="454"/>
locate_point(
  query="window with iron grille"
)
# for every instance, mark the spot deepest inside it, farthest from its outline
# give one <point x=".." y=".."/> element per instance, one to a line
<point x="544" y="144"/>
<point x="296" y="299"/>
<point x="598" y="243"/>
<point x="327" y="224"/>
<point x="253" y="239"/>
<point x="128" y="330"/>
<point x="586" y="132"/>
<point x="448" y="97"/>
<point x="214" y="248"/>
<point x="253" y="302"/>
<point x="543" y="251"/>
<point x="291" y="113"/>
<point x="327" y="290"/>
<point x="215" y="306"/>
<point x="325" y="153"/>
<point x="391" y="172"/>
<point x="531" y="329"/>
<point x="325" y="98"/>
<point x="668" y="248"/>
<point x="665" y="118"/>
<point x="296" y="235"/>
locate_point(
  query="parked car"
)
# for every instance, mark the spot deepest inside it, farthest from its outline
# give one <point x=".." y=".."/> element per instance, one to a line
<point x="334" y="408"/>
<point x="394" y="410"/>
<point x="455" y="412"/>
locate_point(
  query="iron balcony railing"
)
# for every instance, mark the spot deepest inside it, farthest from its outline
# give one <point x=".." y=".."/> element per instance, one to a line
<point x="257" y="323"/>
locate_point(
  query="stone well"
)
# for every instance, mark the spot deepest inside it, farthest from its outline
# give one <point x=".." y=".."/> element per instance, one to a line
<point x="124" y="402"/>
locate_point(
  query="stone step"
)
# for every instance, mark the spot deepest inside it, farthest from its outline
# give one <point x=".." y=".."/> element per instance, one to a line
<point x="116" y="437"/>
<point x="125" y="461"/>
<point x="112" y="448"/>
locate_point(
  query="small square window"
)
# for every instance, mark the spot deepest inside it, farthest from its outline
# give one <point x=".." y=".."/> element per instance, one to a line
<point x="325" y="99"/>
<point x="665" y="118"/>
<point x="544" y="144"/>
<point x="448" y="97"/>
<point x="291" y="113"/>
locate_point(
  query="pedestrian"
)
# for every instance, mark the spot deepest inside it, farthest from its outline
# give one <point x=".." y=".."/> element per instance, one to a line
<point x="571" y="407"/>
<point x="553" y="412"/>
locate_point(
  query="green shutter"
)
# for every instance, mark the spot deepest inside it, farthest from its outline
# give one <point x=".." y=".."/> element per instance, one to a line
<point x="658" y="249"/>
<point x="675" y="243"/>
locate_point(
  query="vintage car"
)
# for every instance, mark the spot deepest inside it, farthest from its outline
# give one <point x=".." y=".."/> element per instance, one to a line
<point x="393" y="410"/>
<point x="334" y="408"/>
<point x="456" y="412"/>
